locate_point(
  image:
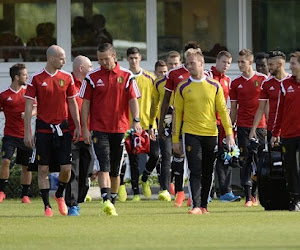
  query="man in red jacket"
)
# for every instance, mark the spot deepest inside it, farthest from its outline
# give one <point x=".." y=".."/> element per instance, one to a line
<point x="289" y="122"/>
<point x="224" y="173"/>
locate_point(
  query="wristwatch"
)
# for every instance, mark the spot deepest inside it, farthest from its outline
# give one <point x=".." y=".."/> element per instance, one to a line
<point x="136" y="119"/>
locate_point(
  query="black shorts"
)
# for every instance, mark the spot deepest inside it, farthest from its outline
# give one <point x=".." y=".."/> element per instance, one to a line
<point x="9" y="146"/>
<point x="51" y="149"/>
<point x="108" y="151"/>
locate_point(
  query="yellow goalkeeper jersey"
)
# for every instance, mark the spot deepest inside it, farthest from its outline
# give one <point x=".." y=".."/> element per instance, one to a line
<point x="196" y="103"/>
<point x="158" y="94"/>
<point x="145" y="82"/>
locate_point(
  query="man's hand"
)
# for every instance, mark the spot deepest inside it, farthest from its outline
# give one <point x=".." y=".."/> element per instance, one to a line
<point x="29" y="141"/>
<point x="152" y="134"/>
<point x="252" y="134"/>
<point x="177" y="147"/>
<point x="77" y="134"/>
<point x="275" y="140"/>
<point x="230" y="141"/>
<point x="137" y="127"/>
<point x="86" y="136"/>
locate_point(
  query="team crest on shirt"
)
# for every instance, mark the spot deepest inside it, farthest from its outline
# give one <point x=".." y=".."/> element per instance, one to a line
<point x="256" y="83"/>
<point x="61" y="83"/>
<point x="225" y="83"/>
<point x="120" y="79"/>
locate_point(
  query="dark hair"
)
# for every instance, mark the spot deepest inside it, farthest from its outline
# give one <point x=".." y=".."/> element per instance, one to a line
<point x="224" y="53"/>
<point x="160" y="63"/>
<point x="261" y="56"/>
<point x="133" y="50"/>
<point x="296" y="54"/>
<point x="105" y="47"/>
<point x="276" y="53"/>
<point x="191" y="45"/>
<point x="15" y="70"/>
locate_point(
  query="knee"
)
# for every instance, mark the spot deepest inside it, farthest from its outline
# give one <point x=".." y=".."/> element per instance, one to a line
<point x="43" y="172"/>
<point x="5" y="163"/>
<point x="65" y="170"/>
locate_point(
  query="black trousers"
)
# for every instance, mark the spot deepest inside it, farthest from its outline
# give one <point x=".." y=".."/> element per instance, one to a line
<point x="82" y="168"/>
<point x="151" y="164"/>
<point x="224" y="173"/>
<point x="201" y="152"/>
<point x="166" y="154"/>
<point x="246" y="160"/>
<point x="291" y="164"/>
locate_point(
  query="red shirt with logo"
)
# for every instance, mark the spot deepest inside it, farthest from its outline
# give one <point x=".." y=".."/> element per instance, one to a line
<point x="51" y="93"/>
<point x="270" y="90"/>
<point x="12" y="103"/>
<point x="224" y="80"/>
<point x="109" y="93"/>
<point x="77" y="86"/>
<point x="175" y="76"/>
<point x="246" y="92"/>
<point x="286" y="117"/>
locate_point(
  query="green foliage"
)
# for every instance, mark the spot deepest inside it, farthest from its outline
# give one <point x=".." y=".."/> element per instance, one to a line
<point x="14" y="188"/>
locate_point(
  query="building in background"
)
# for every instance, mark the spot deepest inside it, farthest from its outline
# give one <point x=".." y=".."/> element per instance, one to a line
<point x="155" y="26"/>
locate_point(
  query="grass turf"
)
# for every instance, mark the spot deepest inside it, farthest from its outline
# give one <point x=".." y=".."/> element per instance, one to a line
<point x="147" y="225"/>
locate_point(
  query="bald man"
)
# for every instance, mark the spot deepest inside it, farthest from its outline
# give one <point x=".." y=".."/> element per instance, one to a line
<point x="53" y="89"/>
<point x="82" y="157"/>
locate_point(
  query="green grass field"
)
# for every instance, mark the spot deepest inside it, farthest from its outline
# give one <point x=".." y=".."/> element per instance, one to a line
<point x="147" y="225"/>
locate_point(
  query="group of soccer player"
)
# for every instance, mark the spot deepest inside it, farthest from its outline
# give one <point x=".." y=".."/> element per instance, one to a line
<point x="81" y="119"/>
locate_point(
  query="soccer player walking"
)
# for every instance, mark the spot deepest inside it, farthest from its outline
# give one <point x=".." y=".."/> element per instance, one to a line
<point x="289" y="122"/>
<point x="53" y="88"/>
<point x="165" y="144"/>
<point x="197" y="100"/>
<point x="82" y="156"/>
<point x="244" y="95"/>
<point x="108" y="93"/>
<point x="224" y="173"/>
<point x="145" y="82"/>
<point x="270" y="92"/>
<point x="12" y="103"/>
<point x="174" y="77"/>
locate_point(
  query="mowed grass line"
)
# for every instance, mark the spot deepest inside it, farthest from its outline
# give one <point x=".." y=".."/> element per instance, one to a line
<point x="147" y="225"/>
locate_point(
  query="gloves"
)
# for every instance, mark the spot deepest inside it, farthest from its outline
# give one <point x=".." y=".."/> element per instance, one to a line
<point x="168" y="119"/>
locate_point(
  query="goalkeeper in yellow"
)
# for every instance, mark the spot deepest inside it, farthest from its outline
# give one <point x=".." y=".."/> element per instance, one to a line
<point x="197" y="100"/>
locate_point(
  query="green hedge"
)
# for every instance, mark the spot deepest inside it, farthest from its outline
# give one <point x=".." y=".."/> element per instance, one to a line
<point x="14" y="188"/>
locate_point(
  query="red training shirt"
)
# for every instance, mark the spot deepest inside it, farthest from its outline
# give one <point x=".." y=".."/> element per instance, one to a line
<point x="287" y="117"/>
<point x="224" y="80"/>
<point x="51" y="92"/>
<point x="270" y="90"/>
<point x="109" y="93"/>
<point x="13" y="105"/>
<point x="246" y="92"/>
<point x="77" y="86"/>
<point x="175" y="76"/>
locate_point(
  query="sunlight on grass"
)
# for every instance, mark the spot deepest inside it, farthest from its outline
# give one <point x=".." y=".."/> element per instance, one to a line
<point x="147" y="225"/>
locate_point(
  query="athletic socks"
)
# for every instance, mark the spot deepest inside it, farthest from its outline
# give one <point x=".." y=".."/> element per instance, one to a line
<point x="45" y="196"/>
<point x="60" y="189"/>
<point x="254" y="189"/>
<point x="178" y="169"/>
<point x="247" y="190"/>
<point x="122" y="174"/>
<point x="25" y="190"/>
<point x="113" y="197"/>
<point x="3" y="183"/>
<point x="106" y="194"/>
